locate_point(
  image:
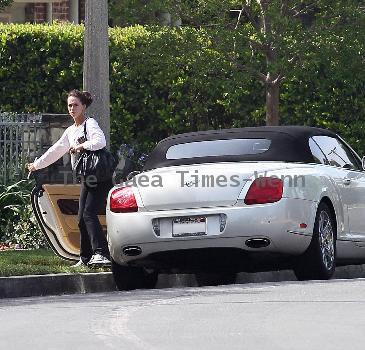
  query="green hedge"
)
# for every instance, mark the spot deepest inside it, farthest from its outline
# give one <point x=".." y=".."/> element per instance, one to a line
<point x="38" y="63"/>
<point x="170" y="81"/>
<point x="166" y="81"/>
<point x="18" y="226"/>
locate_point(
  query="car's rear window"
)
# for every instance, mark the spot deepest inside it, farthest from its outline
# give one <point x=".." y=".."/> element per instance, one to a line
<point x="216" y="148"/>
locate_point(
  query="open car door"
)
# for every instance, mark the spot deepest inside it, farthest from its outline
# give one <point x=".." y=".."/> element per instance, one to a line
<point x="56" y="206"/>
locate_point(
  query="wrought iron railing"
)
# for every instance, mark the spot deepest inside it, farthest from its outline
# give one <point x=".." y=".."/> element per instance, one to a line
<point x="20" y="142"/>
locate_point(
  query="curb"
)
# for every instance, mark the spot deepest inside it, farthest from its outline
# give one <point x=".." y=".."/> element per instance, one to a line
<point x="81" y="283"/>
<point x="56" y="284"/>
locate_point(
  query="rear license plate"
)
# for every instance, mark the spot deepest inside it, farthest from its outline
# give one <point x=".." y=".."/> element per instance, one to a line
<point x="189" y="226"/>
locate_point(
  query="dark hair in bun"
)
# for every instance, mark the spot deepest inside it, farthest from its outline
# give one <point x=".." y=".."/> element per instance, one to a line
<point x="84" y="96"/>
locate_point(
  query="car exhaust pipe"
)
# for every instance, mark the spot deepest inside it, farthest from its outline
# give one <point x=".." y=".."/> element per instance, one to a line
<point x="132" y="251"/>
<point x="257" y="242"/>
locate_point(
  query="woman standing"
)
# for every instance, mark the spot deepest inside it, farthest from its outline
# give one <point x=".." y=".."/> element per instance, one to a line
<point x="93" y="244"/>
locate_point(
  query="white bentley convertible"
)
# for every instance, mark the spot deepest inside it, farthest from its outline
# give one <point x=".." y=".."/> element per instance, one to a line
<point x="215" y="203"/>
<point x="237" y="200"/>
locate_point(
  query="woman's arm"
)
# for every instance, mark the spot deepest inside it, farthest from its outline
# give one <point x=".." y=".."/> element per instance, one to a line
<point x="54" y="153"/>
<point x="95" y="136"/>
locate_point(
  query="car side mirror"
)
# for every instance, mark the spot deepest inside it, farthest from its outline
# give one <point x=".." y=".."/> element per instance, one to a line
<point x="363" y="163"/>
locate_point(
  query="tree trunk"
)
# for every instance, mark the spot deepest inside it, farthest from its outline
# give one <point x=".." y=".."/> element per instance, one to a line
<point x="272" y="103"/>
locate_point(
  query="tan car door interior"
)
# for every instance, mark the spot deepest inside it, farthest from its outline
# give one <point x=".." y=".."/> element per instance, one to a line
<point x="62" y="201"/>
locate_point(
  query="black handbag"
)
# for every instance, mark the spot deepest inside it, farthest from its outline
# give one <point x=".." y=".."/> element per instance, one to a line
<point x="98" y="165"/>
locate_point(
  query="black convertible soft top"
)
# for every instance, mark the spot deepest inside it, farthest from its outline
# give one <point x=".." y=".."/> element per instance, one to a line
<point x="288" y="144"/>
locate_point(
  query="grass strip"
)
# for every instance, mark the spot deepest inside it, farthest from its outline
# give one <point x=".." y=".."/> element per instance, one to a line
<point x="37" y="262"/>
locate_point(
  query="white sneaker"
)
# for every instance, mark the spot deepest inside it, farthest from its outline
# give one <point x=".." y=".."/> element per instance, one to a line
<point x="80" y="263"/>
<point x="98" y="259"/>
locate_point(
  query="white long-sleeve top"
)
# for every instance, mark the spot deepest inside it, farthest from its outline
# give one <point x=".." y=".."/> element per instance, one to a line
<point x="95" y="140"/>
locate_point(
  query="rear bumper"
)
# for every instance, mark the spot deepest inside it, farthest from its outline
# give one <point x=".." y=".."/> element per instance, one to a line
<point x="278" y="222"/>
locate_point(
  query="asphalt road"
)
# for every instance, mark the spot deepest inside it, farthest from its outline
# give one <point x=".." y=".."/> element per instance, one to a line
<point x="282" y="315"/>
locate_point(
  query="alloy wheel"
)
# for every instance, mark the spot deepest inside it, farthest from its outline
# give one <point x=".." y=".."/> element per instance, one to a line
<point x="326" y="240"/>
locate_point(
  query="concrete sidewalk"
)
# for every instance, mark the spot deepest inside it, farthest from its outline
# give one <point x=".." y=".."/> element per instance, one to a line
<point x="58" y="284"/>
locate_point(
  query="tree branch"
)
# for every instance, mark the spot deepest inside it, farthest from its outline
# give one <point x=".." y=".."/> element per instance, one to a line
<point x="242" y="67"/>
<point x="297" y="11"/>
<point x="278" y="79"/>
<point x="246" y="7"/>
<point x="263" y="10"/>
<point x="284" y="9"/>
<point x="258" y="46"/>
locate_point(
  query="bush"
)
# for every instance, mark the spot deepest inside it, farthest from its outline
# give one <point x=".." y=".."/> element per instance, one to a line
<point x="12" y="198"/>
<point x="163" y="81"/>
<point x="39" y="64"/>
<point x="170" y="80"/>
<point x="18" y="226"/>
<point x="24" y="231"/>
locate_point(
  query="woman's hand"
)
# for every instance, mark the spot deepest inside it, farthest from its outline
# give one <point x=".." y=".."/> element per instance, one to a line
<point x="30" y="167"/>
<point x="75" y="149"/>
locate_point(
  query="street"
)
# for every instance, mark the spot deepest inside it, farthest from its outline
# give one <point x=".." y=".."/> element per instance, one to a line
<point x="282" y="315"/>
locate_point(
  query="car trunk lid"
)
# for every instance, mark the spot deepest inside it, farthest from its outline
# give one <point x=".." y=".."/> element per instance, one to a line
<point x="198" y="186"/>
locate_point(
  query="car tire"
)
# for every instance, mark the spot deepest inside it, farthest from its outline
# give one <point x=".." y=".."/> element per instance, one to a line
<point x="319" y="260"/>
<point x="215" y="278"/>
<point x="128" y="277"/>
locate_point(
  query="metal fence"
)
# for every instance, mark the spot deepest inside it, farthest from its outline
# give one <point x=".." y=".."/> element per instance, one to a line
<point x="20" y="142"/>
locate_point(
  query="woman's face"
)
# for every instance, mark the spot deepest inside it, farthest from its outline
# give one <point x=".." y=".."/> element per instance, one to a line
<point x="75" y="107"/>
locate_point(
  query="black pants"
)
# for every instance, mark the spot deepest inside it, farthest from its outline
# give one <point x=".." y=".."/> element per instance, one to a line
<point x="92" y="202"/>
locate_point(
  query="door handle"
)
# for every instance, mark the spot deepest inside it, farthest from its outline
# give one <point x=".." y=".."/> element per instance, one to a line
<point x="347" y="181"/>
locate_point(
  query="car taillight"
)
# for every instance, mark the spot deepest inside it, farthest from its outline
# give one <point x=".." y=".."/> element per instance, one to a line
<point x="264" y="190"/>
<point x="122" y="200"/>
